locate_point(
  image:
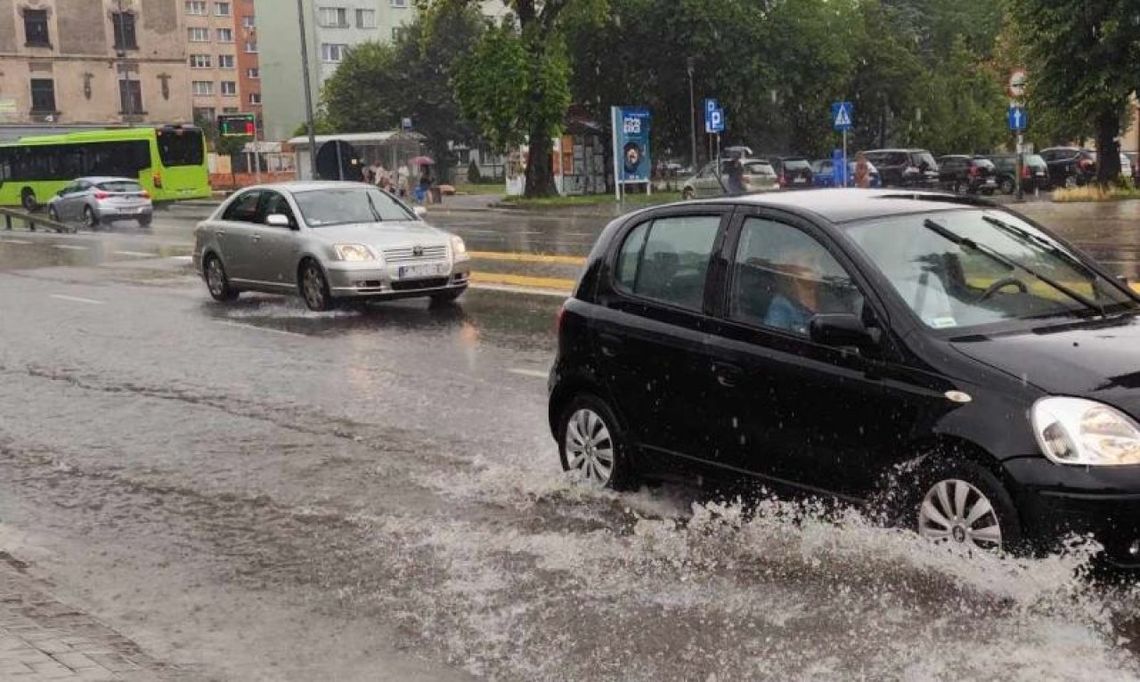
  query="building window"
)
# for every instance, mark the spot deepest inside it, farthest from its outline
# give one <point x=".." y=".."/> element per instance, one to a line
<point x="248" y="21"/>
<point x="366" y="18"/>
<point x="229" y="110"/>
<point x="43" y="96"/>
<point x="202" y="114"/>
<point x="255" y="98"/>
<point x="221" y="9"/>
<point x="130" y="96"/>
<point x="229" y="88"/>
<point x="199" y="35"/>
<point x="334" y="17"/>
<point x="36" y="28"/>
<point x="226" y="61"/>
<point x="199" y="61"/>
<point x="333" y="52"/>
<point x="225" y="35"/>
<point x="251" y="47"/>
<point x="253" y="73"/>
<point x="202" y="88"/>
<point x="399" y="3"/>
<point x="124" y="23"/>
<point x="196" y="7"/>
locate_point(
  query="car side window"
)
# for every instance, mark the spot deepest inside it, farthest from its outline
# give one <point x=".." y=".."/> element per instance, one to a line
<point x="667" y="259"/>
<point x="275" y="202"/>
<point x="782" y="277"/>
<point x="244" y="208"/>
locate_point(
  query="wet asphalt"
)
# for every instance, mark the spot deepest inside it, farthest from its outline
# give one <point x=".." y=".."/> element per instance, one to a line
<point x="255" y="491"/>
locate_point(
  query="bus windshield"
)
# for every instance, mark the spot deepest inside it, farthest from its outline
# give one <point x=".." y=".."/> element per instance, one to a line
<point x="180" y="148"/>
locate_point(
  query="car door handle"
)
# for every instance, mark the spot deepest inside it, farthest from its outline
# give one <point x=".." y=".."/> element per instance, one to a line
<point x="727" y="375"/>
<point x="611" y="345"/>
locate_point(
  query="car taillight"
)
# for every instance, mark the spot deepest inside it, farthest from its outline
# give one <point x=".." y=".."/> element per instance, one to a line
<point x="157" y="177"/>
<point x="1085" y="163"/>
<point x="974" y="171"/>
<point x="1025" y="171"/>
<point x="101" y="195"/>
<point x="783" y="180"/>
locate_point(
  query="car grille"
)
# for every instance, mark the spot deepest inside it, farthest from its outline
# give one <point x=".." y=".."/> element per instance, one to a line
<point x="408" y="255"/>
<point x="408" y="285"/>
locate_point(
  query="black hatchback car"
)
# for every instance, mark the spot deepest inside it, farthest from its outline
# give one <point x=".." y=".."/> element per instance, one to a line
<point x="905" y="167"/>
<point x="950" y="360"/>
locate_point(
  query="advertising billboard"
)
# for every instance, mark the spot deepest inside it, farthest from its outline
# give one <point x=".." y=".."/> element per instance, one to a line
<point x="631" y="144"/>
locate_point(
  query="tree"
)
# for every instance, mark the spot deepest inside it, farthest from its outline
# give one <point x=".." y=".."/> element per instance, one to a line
<point x="1084" y="55"/>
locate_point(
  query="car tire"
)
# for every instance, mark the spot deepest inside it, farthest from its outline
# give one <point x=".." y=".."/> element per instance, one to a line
<point x="688" y="194"/>
<point x="90" y="220"/>
<point x="1006" y="186"/>
<point x="446" y="297"/>
<point x="314" y="287"/>
<point x="144" y="223"/>
<point x="28" y="200"/>
<point x="590" y="437"/>
<point x="217" y="282"/>
<point x="53" y="214"/>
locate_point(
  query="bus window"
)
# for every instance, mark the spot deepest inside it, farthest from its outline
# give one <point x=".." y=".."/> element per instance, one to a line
<point x="180" y="148"/>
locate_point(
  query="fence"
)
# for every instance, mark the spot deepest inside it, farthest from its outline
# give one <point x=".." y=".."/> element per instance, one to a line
<point x="11" y="217"/>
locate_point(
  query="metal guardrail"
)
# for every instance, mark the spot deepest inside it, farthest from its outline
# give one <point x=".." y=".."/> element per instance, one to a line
<point x="11" y="217"/>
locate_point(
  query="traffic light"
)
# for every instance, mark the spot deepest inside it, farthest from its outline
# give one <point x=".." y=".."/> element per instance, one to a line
<point x="237" y="125"/>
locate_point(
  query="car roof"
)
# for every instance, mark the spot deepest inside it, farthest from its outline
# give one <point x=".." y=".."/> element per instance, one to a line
<point x="309" y="185"/>
<point x="844" y="205"/>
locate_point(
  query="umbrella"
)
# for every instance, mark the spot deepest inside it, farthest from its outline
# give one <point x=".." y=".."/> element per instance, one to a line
<point x="421" y="161"/>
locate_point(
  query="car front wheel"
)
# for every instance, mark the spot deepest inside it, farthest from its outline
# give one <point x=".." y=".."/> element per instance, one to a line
<point x="314" y="287"/>
<point x="217" y="281"/>
<point x="90" y="220"/>
<point x="592" y="443"/>
<point x="965" y="504"/>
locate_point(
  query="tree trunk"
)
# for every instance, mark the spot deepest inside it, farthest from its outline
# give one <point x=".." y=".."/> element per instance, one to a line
<point x="1107" y="148"/>
<point x="539" y="174"/>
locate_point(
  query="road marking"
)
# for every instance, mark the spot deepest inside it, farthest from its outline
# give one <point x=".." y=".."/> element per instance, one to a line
<point x="16" y="241"/>
<point x="77" y="299"/>
<point x="254" y="327"/>
<point x="561" y="285"/>
<point x="182" y="258"/>
<point x="1136" y="287"/>
<point x="70" y="247"/>
<point x="527" y="257"/>
<point x="534" y="373"/>
<point x="136" y="254"/>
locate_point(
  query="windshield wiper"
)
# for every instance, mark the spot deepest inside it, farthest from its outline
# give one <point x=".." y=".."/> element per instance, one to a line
<point x="1041" y="243"/>
<point x="950" y="235"/>
<point x="372" y="207"/>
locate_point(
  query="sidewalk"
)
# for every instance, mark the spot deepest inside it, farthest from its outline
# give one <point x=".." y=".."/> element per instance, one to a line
<point x="44" y="639"/>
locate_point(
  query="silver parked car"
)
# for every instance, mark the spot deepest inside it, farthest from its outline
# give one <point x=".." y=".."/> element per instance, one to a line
<point x="327" y="241"/>
<point x="758" y="175"/>
<point x="99" y="200"/>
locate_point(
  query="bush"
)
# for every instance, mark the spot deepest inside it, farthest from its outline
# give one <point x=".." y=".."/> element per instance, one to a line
<point x="1094" y="192"/>
<point x="474" y="177"/>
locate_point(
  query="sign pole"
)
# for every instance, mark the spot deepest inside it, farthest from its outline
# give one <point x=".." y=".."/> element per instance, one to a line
<point x="256" y="151"/>
<point x="617" y="176"/>
<point x="1020" y="163"/>
<point x="844" y="173"/>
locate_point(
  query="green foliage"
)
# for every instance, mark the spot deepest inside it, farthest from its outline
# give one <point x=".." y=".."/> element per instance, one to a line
<point x="492" y="85"/>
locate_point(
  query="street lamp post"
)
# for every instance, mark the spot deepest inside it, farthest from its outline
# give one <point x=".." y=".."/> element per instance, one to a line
<point x="308" y="90"/>
<point x="692" y="110"/>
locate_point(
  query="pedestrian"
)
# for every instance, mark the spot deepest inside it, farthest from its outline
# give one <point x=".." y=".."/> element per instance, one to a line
<point x="402" y="184"/>
<point x="423" y="191"/>
<point x="862" y="171"/>
<point x="737" y="184"/>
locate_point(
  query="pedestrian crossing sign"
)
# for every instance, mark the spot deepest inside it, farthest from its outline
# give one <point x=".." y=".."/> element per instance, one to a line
<point x="842" y="115"/>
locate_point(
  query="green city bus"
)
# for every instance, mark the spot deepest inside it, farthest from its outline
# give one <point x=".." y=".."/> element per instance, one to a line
<point x="169" y="162"/>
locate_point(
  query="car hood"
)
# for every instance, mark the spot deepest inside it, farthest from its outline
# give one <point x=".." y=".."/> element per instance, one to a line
<point x="383" y="235"/>
<point x="1096" y="360"/>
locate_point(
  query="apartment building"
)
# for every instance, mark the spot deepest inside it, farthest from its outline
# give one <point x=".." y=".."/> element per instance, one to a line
<point x="71" y="62"/>
<point x="212" y="57"/>
<point x="249" y="65"/>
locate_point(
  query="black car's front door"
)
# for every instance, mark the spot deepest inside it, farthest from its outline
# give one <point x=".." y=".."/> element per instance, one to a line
<point x="651" y="334"/>
<point x="820" y="417"/>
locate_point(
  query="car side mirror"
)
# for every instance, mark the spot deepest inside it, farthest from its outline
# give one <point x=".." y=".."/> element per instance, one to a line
<point x="842" y="330"/>
<point x="420" y="211"/>
<point x="277" y="220"/>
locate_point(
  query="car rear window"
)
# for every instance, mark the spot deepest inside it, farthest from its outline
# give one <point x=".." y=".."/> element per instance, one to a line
<point x="667" y="260"/>
<point x="983" y="163"/>
<point x="120" y="186"/>
<point x="797" y="164"/>
<point x="756" y="168"/>
<point x="925" y="158"/>
<point x="1035" y="161"/>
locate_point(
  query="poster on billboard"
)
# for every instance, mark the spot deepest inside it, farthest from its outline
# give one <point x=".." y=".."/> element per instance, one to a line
<point x="631" y="146"/>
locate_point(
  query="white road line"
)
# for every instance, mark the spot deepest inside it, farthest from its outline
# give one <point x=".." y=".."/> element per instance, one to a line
<point x="136" y="254"/>
<point x="185" y="258"/>
<point x="16" y="241"/>
<point x="70" y="247"/>
<point x="254" y="327"/>
<point x="534" y="373"/>
<point x="77" y="299"/>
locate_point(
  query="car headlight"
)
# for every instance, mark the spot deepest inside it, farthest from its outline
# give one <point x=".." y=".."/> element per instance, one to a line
<point x="1085" y="432"/>
<point x="458" y="248"/>
<point x="353" y="252"/>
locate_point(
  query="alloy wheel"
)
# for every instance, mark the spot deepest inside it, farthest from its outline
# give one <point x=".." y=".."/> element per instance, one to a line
<point x="89" y="218"/>
<point x="590" y="447"/>
<point x="956" y="511"/>
<point x="313" y="288"/>
<point x="215" y="277"/>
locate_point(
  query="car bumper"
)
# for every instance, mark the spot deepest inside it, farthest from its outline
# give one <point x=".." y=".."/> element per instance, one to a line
<point x="1055" y="501"/>
<point x="125" y="213"/>
<point x="365" y="280"/>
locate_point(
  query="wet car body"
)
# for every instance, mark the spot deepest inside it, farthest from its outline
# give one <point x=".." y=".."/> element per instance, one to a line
<point x="263" y="239"/>
<point x="960" y="172"/>
<point x="1034" y="172"/>
<point x="102" y="199"/>
<point x="758" y="176"/>
<point x="905" y="167"/>
<point x="698" y="394"/>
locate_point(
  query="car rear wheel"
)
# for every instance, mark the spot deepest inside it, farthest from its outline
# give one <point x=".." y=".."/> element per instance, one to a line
<point x="688" y="193"/>
<point x="314" y="287"/>
<point x="592" y="443"/>
<point x="217" y="281"/>
<point x="965" y="504"/>
<point x="90" y="220"/>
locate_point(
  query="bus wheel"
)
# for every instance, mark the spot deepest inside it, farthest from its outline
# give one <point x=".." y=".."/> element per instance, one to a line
<point x="28" y="200"/>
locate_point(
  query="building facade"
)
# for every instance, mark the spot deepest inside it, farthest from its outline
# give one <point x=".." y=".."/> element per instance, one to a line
<point x="212" y="57"/>
<point x="249" y="66"/>
<point x="71" y="62"/>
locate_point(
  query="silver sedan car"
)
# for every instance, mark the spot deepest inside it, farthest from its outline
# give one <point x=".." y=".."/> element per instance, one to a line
<point x="99" y="200"/>
<point x="327" y="241"/>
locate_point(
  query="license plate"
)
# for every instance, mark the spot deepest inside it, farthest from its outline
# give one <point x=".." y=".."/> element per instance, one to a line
<point x="421" y="271"/>
<point x="799" y="181"/>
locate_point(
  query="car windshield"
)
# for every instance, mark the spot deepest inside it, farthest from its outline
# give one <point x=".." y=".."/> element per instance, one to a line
<point x="120" y="186"/>
<point x="341" y="206"/>
<point x="961" y="269"/>
<point x="925" y="159"/>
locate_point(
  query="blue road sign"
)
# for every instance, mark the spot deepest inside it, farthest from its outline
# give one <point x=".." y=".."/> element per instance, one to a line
<point x="1018" y="118"/>
<point x="714" y="121"/>
<point x="842" y="116"/>
<point x="711" y="105"/>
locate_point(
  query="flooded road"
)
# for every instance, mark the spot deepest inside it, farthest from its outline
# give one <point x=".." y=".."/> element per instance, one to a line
<point x="256" y="491"/>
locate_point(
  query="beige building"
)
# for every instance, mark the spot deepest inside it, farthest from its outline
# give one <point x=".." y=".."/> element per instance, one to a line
<point x="68" y="62"/>
<point x="212" y="55"/>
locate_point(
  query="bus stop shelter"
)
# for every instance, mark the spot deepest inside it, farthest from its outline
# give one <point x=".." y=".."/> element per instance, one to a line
<point x="391" y="149"/>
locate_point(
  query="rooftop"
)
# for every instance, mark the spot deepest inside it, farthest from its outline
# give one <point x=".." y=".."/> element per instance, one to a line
<point x="843" y="205"/>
